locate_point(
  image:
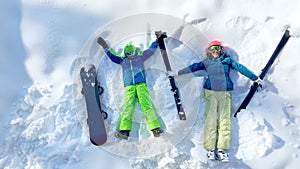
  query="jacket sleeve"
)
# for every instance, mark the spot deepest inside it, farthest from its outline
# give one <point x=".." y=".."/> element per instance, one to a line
<point x="114" y="57"/>
<point x="192" y="68"/>
<point x="243" y="70"/>
<point x="149" y="52"/>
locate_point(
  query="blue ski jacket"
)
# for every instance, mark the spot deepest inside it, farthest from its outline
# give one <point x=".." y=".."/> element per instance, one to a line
<point x="133" y="69"/>
<point x="217" y="77"/>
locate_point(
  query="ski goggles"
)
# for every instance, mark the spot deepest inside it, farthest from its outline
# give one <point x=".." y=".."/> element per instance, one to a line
<point x="214" y="49"/>
<point x="130" y="53"/>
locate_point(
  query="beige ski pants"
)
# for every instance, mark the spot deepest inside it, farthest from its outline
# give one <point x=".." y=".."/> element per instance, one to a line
<point x="217" y="122"/>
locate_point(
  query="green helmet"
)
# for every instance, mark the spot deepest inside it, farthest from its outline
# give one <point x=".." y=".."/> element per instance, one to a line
<point x="129" y="50"/>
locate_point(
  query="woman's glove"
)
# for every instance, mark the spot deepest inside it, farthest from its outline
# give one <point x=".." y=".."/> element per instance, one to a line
<point x="260" y="82"/>
<point x="172" y="73"/>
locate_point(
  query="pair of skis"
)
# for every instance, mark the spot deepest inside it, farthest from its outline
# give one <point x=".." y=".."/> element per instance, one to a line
<point x="265" y="70"/>
<point x="160" y="39"/>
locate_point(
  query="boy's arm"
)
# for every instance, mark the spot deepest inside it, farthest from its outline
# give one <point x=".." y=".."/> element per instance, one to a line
<point x="149" y="52"/>
<point x="114" y="57"/>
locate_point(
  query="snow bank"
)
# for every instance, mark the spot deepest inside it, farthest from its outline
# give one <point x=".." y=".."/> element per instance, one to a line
<point x="47" y="127"/>
<point x="43" y="136"/>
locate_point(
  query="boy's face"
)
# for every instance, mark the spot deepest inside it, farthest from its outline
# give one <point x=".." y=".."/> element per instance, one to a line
<point x="131" y="55"/>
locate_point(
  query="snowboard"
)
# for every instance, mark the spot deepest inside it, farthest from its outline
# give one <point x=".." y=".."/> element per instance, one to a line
<point x="160" y="39"/>
<point x="91" y="91"/>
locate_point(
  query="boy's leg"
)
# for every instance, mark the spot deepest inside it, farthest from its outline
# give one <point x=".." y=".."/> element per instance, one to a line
<point x="128" y="108"/>
<point x="210" y="120"/>
<point x="147" y="107"/>
<point x="224" y="121"/>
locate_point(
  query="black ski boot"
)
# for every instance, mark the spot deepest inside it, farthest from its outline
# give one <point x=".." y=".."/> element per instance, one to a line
<point x="123" y="134"/>
<point x="156" y="132"/>
<point x="222" y="155"/>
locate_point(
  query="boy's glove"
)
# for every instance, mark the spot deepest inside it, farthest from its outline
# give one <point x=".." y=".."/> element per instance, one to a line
<point x="160" y="35"/>
<point x="102" y="43"/>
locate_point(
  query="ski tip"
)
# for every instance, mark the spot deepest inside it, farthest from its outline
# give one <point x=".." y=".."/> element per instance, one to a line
<point x="182" y="116"/>
<point x="237" y="111"/>
<point x="287" y="27"/>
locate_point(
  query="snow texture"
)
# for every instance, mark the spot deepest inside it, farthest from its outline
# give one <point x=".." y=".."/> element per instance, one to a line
<point x="44" y="43"/>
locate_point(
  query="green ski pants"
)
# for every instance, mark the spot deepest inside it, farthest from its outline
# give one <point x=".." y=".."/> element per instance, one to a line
<point x="217" y="122"/>
<point x="140" y="92"/>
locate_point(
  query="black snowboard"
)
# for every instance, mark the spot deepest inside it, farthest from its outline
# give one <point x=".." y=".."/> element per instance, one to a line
<point x="91" y="91"/>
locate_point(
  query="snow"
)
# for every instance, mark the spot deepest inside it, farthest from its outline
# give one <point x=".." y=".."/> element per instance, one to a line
<point x="42" y="113"/>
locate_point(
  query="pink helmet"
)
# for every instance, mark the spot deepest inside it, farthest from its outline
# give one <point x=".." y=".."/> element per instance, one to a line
<point x="215" y="43"/>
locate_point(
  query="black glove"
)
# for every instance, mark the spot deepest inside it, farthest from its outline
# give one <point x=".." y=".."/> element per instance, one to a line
<point x="160" y="35"/>
<point x="260" y="82"/>
<point x="102" y="42"/>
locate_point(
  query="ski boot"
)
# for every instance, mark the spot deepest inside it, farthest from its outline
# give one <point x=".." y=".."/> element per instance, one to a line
<point x="156" y="132"/>
<point x="123" y="134"/>
<point x="211" y="154"/>
<point x="222" y="155"/>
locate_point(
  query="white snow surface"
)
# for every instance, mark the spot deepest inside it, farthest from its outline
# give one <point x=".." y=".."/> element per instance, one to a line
<point x="43" y="44"/>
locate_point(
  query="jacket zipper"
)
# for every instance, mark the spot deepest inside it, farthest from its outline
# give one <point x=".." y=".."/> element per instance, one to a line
<point x="141" y="70"/>
<point x="132" y="72"/>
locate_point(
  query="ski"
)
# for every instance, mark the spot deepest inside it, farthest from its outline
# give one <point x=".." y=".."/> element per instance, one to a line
<point x="265" y="70"/>
<point x="160" y="39"/>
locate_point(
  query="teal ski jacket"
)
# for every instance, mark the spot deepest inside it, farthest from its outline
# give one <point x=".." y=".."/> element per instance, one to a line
<point x="217" y="77"/>
<point x="133" y="70"/>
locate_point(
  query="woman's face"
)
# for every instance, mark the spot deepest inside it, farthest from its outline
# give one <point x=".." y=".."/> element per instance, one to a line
<point x="215" y="54"/>
<point x="215" y="51"/>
